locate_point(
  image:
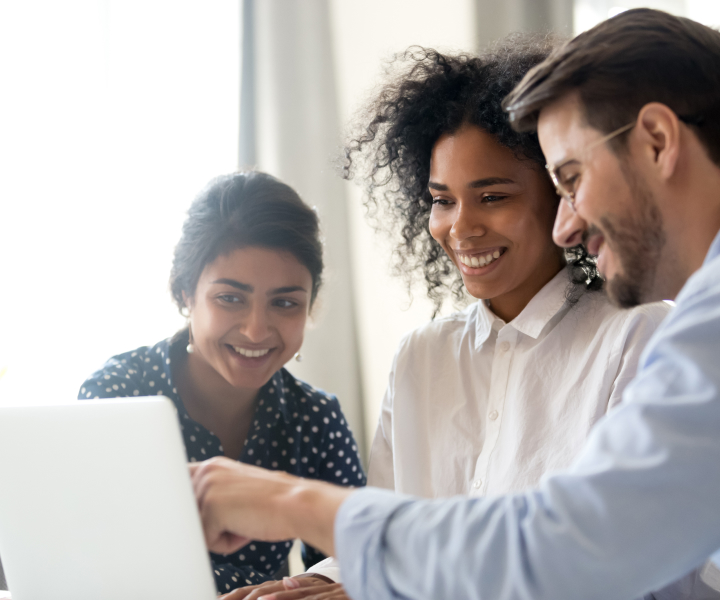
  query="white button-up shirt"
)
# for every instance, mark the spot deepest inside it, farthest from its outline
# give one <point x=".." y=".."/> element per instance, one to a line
<point x="481" y="407"/>
<point x="477" y="406"/>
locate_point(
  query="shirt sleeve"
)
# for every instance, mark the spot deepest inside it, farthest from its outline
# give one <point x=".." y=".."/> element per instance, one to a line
<point x="381" y="471"/>
<point x="636" y="511"/>
<point x="330" y="568"/>
<point x="229" y="577"/>
<point x="113" y="380"/>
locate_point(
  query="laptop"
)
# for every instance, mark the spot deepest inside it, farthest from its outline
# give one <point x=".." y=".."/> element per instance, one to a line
<point x="96" y="503"/>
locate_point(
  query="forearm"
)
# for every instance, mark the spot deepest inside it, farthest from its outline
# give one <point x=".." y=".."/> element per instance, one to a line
<point x="310" y="508"/>
<point x="239" y="503"/>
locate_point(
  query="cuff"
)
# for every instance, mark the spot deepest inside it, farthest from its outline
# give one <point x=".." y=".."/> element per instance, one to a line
<point x="360" y="546"/>
<point x="329" y="568"/>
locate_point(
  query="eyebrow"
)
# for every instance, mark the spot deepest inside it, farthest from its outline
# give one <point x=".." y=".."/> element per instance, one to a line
<point x="479" y="183"/>
<point x="246" y="287"/>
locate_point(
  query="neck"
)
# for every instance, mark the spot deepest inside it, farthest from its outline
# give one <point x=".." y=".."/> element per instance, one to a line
<point x="510" y="305"/>
<point x="691" y="218"/>
<point x="209" y="398"/>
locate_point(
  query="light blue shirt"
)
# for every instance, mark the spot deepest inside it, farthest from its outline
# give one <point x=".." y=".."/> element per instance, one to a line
<point x="639" y="508"/>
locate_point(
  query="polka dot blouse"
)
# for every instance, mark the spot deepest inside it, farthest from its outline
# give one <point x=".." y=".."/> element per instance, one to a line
<point x="296" y="428"/>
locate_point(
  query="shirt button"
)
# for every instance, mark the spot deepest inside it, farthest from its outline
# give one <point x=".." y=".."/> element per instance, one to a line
<point x="505" y="346"/>
<point x="493" y="415"/>
<point x="477" y="483"/>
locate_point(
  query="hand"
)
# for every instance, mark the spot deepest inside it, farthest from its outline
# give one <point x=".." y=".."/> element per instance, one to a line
<point x="239" y="503"/>
<point x="304" y="584"/>
<point x="290" y="588"/>
<point x="233" y="499"/>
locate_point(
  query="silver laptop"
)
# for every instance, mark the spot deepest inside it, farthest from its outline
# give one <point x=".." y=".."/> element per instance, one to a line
<point x="96" y="503"/>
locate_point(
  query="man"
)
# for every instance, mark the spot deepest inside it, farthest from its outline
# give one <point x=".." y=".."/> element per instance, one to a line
<point x="628" y="117"/>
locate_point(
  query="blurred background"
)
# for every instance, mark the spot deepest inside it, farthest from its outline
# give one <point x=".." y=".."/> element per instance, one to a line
<point x="114" y="113"/>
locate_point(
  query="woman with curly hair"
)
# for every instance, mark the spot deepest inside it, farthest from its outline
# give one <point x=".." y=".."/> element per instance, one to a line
<point x="487" y="400"/>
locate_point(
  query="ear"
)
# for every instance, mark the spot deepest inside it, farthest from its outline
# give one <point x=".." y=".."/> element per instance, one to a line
<point x="659" y="130"/>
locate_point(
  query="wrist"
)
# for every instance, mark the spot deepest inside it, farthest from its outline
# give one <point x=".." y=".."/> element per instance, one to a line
<point x="310" y="508"/>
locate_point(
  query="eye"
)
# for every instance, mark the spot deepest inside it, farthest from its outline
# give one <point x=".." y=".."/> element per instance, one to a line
<point x="490" y="198"/>
<point x="569" y="180"/>
<point x="285" y="303"/>
<point x="230" y="298"/>
<point x="440" y="201"/>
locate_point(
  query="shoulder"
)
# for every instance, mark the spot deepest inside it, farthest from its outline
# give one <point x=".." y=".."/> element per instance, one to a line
<point x="435" y="335"/>
<point x="600" y="313"/>
<point x="127" y="374"/>
<point x="306" y="399"/>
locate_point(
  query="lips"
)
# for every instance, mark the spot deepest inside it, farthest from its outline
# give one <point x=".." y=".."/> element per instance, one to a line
<point x="481" y="258"/>
<point x="251" y="356"/>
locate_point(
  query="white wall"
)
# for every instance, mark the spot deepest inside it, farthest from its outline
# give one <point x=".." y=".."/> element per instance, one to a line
<point x="114" y="113"/>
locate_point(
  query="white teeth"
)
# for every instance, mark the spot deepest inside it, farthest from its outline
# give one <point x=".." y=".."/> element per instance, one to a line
<point x="250" y="353"/>
<point x="479" y="261"/>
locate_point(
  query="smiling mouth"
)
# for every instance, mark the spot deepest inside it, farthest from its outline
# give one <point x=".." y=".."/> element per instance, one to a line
<point x="482" y="259"/>
<point x="249" y="352"/>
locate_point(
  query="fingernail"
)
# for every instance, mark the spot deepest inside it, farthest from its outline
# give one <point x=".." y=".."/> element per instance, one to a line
<point x="290" y="583"/>
<point x="270" y="597"/>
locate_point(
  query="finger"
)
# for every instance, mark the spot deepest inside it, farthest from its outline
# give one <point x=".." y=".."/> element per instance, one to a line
<point x="263" y="589"/>
<point x="311" y="587"/>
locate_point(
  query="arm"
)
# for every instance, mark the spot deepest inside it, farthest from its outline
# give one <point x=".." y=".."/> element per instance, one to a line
<point x="229" y="576"/>
<point x="239" y="502"/>
<point x="636" y="511"/>
<point x="381" y="472"/>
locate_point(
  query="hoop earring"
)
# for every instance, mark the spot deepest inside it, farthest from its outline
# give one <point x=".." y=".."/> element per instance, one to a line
<point x="190" y="348"/>
<point x="298" y="357"/>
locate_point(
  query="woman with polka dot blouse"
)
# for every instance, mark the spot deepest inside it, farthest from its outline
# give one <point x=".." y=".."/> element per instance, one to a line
<point x="246" y="272"/>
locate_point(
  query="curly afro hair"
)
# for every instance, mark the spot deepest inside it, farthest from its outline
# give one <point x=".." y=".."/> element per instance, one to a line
<point x="430" y="94"/>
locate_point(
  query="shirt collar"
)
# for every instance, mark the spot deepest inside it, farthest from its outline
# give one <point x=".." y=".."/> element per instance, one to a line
<point x="543" y="307"/>
<point x="274" y="394"/>
<point x="533" y="318"/>
<point x="487" y="320"/>
<point x="714" y="249"/>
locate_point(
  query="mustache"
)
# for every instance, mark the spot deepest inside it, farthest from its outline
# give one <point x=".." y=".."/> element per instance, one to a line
<point x="587" y="234"/>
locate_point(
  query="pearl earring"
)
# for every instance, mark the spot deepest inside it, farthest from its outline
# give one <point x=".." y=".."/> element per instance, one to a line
<point x="190" y="348"/>
<point x="298" y="357"/>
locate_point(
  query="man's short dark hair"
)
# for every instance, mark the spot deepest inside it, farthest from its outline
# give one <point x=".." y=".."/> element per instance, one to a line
<point x="618" y="66"/>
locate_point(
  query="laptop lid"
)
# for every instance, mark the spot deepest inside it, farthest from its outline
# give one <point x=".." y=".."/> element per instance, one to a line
<point x="96" y="503"/>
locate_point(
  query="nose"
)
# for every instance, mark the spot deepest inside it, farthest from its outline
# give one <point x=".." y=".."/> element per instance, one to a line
<point x="569" y="227"/>
<point x="467" y="222"/>
<point x="255" y="327"/>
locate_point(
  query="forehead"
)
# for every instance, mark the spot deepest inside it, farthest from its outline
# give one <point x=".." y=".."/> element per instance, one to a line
<point x="562" y="129"/>
<point x="262" y="268"/>
<point x="471" y="153"/>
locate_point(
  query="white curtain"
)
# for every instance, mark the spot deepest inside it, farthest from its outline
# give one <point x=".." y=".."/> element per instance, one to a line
<point x="290" y="129"/>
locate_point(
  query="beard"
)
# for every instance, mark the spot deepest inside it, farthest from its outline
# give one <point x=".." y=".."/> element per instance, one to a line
<point x="637" y="239"/>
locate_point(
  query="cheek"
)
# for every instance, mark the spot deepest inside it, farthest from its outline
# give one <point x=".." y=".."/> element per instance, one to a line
<point x="293" y="332"/>
<point x="438" y="227"/>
